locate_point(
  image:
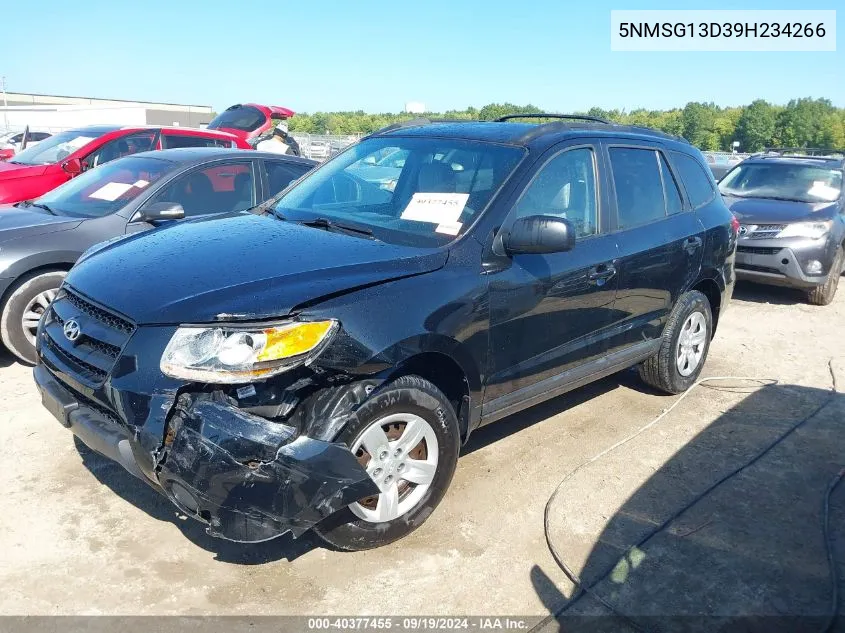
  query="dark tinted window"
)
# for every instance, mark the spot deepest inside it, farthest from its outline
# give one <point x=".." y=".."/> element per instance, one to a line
<point x="120" y="147"/>
<point x="670" y="188"/>
<point x="639" y="189"/>
<point x="169" y="141"/>
<point x="245" y="118"/>
<point x="280" y="174"/>
<point x="213" y="189"/>
<point x="565" y="187"/>
<point x="695" y="179"/>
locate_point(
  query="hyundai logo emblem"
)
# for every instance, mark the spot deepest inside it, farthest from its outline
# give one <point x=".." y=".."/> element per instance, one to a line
<point x="71" y="330"/>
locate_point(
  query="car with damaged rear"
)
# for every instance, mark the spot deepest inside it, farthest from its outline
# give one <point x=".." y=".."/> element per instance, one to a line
<point x="318" y="363"/>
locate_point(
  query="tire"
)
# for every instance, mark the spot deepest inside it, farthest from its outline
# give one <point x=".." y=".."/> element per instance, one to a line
<point x="410" y="398"/>
<point x="29" y="295"/>
<point x="690" y="317"/>
<point x="822" y="295"/>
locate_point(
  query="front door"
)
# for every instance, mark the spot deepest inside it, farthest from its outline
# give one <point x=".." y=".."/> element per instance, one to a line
<point x="550" y="312"/>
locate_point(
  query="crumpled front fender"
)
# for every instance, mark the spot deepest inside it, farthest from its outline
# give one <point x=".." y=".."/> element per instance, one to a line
<point x="244" y="477"/>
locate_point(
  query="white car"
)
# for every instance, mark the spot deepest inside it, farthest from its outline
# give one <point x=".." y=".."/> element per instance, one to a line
<point x="12" y="140"/>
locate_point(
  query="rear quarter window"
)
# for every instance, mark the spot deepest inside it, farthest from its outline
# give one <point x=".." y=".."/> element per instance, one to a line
<point x="696" y="181"/>
<point x="170" y="141"/>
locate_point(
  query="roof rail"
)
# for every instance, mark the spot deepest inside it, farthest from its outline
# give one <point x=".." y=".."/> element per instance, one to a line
<point x="545" y="115"/>
<point x="818" y="152"/>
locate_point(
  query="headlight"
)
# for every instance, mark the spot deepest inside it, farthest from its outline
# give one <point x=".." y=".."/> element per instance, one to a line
<point x="813" y="230"/>
<point x="229" y="354"/>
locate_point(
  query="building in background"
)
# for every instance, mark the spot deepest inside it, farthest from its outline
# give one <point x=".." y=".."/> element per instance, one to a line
<point x="414" y="107"/>
<point x="54" y="113"/>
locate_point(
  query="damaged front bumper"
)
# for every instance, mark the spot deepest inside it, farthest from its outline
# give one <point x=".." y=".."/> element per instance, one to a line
<point x="250" y="479"/>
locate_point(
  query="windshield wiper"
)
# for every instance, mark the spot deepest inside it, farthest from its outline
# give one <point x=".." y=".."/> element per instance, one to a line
<point x="43" y="206"/>
<point x="331" y="225"/>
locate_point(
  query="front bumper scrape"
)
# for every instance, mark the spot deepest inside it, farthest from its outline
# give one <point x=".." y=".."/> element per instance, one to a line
<point x="241" y="474"/>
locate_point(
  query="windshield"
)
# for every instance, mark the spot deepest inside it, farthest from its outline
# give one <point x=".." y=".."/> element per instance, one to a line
<point x="441" y="187"/>
<point x="802" y="183"/>
<point x="106" y="189"/>
<point x="244" y="118"/>
<point x="53" y="149"/>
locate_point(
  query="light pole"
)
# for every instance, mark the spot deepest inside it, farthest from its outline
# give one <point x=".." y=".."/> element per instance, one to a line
<point x="5" y="105"/>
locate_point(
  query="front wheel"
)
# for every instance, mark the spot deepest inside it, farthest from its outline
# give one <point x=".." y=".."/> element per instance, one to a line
<point x="28" y="300"/>
<point x="684" y="346"/>
<point x="824" y="294"/>
<point x="406" y="437"/>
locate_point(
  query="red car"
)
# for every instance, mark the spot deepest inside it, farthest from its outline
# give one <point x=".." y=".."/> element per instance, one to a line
<point x="249" y="120"/>
<point x="43" y="167"/>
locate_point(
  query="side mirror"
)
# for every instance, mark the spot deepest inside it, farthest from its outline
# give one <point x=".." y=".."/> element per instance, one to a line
<point x="159" y="212"/>
<point x="539" y="234"/>
<point x="72" y="166"/>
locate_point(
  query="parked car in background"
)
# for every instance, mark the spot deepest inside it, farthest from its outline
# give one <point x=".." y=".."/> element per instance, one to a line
<point x="793" y="229"/>
<point x="10" y="142"/>
<point x="720" y="164"/>
<point x="40" y="240"/>
<point x="249" y="120"/>
<point x="37" y="170"/>
<point x="320" y="365"/>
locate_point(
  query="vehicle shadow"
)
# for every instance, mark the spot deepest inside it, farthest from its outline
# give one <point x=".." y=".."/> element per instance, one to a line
<point x="748" y="556"/>
<point x="760" y="293"/>
<point x="492" y="433"/>
<point x="148" y="499"/>
<point x="6" y="358"/>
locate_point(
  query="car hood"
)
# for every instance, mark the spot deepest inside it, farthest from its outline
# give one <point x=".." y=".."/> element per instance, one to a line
<point x="237" y="267"/>
<point x="12" y="170"/>
<point x="768" y="211"/>
<point x="16" y="222"/>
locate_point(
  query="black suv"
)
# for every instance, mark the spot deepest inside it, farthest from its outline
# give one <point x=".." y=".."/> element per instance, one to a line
<point x="320" y="361"/>
<point x="792" y="214"/>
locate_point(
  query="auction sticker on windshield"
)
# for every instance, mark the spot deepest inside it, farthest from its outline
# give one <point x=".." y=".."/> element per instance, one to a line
<point x="111" y="191"/>
<point x="436" y="208"/>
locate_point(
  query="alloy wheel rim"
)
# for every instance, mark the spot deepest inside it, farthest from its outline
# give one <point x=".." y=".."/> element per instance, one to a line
<point x="36" y="307"/>
<point x="399" y="453"/>
<point x="692" y="340"/>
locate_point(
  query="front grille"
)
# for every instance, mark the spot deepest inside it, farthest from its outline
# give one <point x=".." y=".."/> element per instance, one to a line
<point x="102" y="336"/>
<point x="759" y="269"/>
<point x="758" y="250"/>
<point x="764" y="231"/>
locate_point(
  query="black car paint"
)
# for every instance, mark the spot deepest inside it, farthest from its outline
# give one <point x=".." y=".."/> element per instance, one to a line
<point x="465" y="314"/>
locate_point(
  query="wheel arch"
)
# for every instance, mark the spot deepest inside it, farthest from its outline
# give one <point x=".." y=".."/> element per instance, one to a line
<point x="712" y="289"/>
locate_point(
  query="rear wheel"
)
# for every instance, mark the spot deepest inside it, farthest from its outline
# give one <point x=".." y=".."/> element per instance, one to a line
<point x="406" y="437"/>
<point x="28" y="300"/>
<point x="684" y="346"/>
<point x="824" y="294"/>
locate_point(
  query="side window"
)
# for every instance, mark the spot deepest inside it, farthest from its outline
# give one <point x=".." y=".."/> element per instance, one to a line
<point x="214" y="189"/>
<point x="639" y="189"/>
<point x="120" y="147"/>
<point x="670" y="188"/>
<point x="280" y="174"/>
<point x="695" y="179"/>
<point x="565" y="187"/>
<point x="169" y="141"/>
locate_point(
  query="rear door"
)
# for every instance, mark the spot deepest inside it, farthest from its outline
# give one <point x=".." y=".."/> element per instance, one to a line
<point x="660" y="240"/>
<point x="551" y="312"/>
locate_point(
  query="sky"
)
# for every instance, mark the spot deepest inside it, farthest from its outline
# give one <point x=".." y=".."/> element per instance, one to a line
<point x="324" y="55"/>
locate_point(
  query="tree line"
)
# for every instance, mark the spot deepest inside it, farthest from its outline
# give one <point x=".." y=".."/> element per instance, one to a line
<point x="803" y="122"/>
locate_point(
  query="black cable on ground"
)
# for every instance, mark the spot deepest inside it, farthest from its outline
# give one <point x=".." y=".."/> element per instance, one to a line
<point x="588" y="589"/>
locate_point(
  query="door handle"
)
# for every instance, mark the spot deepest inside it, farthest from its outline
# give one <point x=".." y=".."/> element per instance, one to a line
<point x="691" y="244"/>
<point x="598" y="275"/>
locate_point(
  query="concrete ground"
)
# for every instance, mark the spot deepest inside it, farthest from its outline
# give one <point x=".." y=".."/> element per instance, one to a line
<point x="79" y="535"/>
